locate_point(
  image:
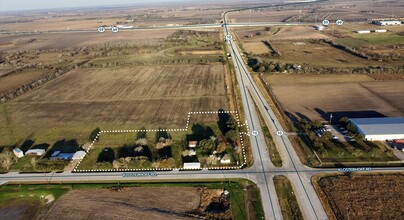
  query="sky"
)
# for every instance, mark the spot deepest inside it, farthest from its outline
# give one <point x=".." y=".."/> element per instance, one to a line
<point x="13" y="5"/>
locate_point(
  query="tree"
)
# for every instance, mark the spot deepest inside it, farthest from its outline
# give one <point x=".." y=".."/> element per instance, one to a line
<point x="231" y="123"/>
<point x="221" y="147"/>
<point x="344" y="120"/>
<point x="7" y="159"/>
<point x="142" y="133"/>
<point x="327" y="135"/>
<point x="94" y="134"/>
<point x="207" y="146"/>
<point x="232" y="135"/>
<point x="317" y="124"/>
<point x="350" y="127"/>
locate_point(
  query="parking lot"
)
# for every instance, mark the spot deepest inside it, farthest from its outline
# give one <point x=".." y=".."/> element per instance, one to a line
<point x="338" y="132"/>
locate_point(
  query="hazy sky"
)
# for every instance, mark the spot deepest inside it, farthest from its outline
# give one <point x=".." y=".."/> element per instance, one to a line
<point x="11" y="5"/>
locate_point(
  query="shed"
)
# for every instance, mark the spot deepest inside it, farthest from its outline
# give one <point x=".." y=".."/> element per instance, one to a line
<point x="226" y="159"/>
<point x="192" y="144"/>
<point x="18" y="152"/>
<point x="79" y="155"/>
<point x="192" y="166"/>
<point x="363" y="31"/>
<point x="35" y="152"/>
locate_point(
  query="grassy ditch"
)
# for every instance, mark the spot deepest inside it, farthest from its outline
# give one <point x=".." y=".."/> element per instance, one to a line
<point x="287" y="199"/>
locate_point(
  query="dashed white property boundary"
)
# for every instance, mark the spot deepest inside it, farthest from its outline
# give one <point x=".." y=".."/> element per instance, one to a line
<point x="171" y="130"/>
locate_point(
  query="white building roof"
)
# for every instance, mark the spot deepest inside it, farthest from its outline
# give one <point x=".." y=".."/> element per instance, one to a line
<point x="17" y="150"/>
<point x="379" y="126"/>
<point x="79" y="155"/>
<point x="194" y="165"/>
<point x="36" y="151"/>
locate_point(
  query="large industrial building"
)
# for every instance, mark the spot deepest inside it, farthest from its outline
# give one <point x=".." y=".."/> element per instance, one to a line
<point x="388" y="23"/>
<point x="379" y="129"/>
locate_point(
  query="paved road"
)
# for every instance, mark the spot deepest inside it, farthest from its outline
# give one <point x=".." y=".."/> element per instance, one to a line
<point x="196" y="26"/>
<point x="262" y="171"/>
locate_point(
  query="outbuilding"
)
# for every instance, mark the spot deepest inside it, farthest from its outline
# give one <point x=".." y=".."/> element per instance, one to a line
<point x="79" y="155"/>
<point x="192" y="144"/>
<point x="226" y="159"/>
<point x="388" y="23"/>
<point x="18" y="152"/>
<point x="379" y="129"/>
<point x="192" y="166"/>
<point x="35" y="152"/>
<point x="363" y="31"/>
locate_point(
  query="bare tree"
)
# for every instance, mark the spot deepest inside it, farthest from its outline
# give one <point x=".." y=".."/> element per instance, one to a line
<point x="7" y="159"/>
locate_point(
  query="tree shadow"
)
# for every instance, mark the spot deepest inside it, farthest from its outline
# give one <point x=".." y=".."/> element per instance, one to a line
<point x="26" y="145"/>
<point x="162" y="134"/>
<point x="64" y="146"/>
<point x="336" y="116"/>
<point x="106" y="155"/>
<point x="43" y="146"/>
<point x="302" y="116"/>
<point x="291" y="116"/>
<point x="142" y="133"/>
<point x="165" y="152"/>
<point x="190" y="159"/>
<point x="200" y="132"/>
<point x="126" y="151"/>
<point x="223" y="121"/>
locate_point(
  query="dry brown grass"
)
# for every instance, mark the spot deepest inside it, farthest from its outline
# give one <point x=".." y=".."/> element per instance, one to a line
<point x="317" y="54"/>
<point x="282" y="79"/>
<point x="255" y="47"/>
<point x="15" y="80"/>
<point x="72" y="105"/>
<point x="362" y="196"/>
<point x="45" y="41"/>
<point x="139" y="203"/>
<point x="315" y="100"/>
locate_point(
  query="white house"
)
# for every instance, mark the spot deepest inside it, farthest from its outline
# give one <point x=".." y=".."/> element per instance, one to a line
<point x="18" y="152"/>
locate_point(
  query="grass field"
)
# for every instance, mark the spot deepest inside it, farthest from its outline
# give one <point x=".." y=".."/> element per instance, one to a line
<point x="256" y="48"/>
<point x="15" y="198"/>
<point x="316" y="54"/>
<point x="361" y="196"/>
<point x="71" y="106"/>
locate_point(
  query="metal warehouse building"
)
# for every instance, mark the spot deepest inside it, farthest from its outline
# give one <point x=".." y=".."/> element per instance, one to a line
<point x="379" y="129"/>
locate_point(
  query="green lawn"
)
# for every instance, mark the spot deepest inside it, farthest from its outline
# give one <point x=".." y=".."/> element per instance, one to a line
<point x="360" y="151"/>
<point x="381" y="38"/>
